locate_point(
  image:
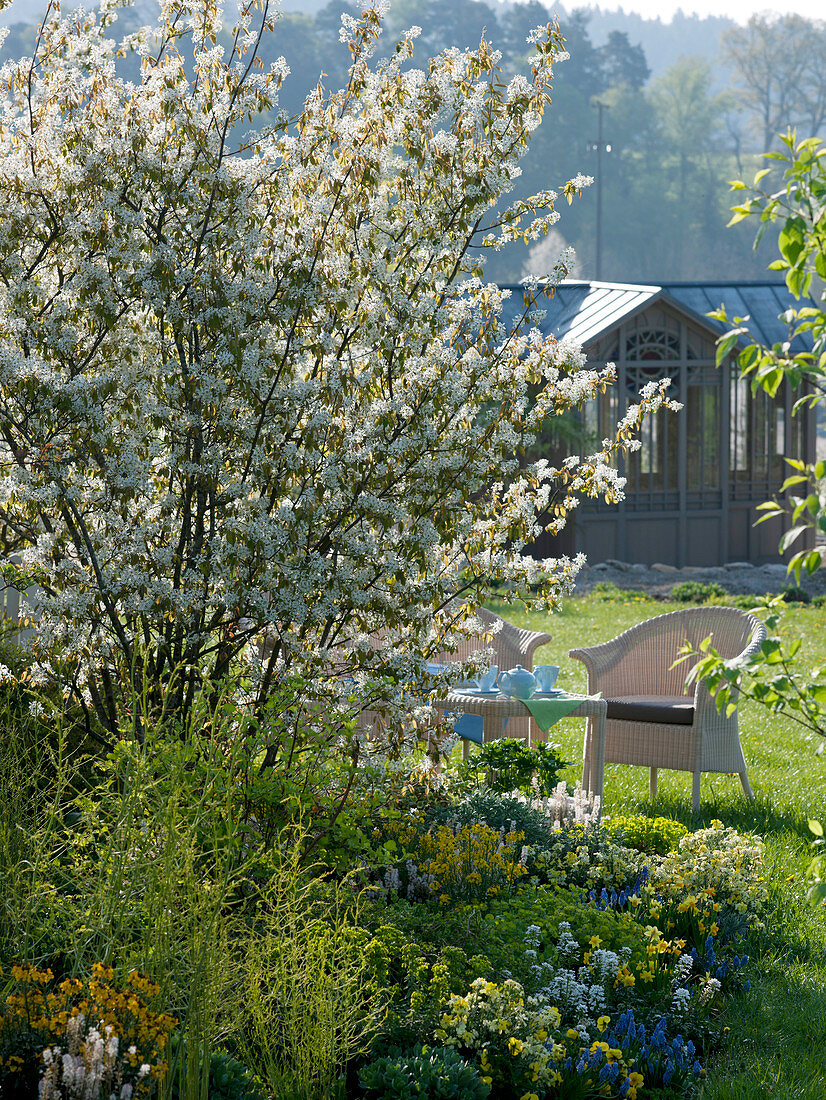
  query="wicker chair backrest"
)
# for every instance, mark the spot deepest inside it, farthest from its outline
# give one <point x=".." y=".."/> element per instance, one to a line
<point x="641" y="658"/>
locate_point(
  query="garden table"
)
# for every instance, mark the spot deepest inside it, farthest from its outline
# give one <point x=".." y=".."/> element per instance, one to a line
<point x="496" y="708"/>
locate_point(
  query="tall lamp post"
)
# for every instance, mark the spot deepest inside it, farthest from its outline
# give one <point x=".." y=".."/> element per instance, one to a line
<point x="599" y="146"/>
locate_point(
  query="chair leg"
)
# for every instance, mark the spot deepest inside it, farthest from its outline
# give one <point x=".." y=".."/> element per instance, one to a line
<point x="747" y="791"/>
<point x="695" y="792"/>
<point x="586" y="757"/>
<point x="652" y="784"/>
<point x="465" y="750"/>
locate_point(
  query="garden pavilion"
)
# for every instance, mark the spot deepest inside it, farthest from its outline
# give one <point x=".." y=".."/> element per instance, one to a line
<point x="693" y="486"/>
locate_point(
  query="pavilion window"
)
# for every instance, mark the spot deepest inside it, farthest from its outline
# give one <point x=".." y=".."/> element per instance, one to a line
<point x="757" y="440"/>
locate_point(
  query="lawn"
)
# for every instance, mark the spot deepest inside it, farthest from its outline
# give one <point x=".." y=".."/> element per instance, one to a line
<point x="776" y="1044"/>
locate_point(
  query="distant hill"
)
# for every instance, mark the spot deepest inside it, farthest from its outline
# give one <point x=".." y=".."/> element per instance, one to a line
<point x="30" y="11"/>
<point x="662" y="42"/>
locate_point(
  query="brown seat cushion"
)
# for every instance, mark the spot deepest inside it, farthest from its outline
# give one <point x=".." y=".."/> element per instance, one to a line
<point x="677" y="710"/>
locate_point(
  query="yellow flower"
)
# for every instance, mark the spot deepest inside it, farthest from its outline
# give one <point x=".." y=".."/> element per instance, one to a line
<point x="603" y="1022"/>
<point x="595" y="941"/>
<point x="572" y="1033"/>
<point x="515" y="1046"/>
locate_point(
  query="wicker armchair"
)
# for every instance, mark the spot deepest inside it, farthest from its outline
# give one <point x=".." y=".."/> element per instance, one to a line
<point x="651" y="720"/>
<point x="511" y="646"/>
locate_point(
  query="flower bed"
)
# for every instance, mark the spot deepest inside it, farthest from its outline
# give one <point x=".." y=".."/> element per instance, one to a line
<point x="571" y="966"/>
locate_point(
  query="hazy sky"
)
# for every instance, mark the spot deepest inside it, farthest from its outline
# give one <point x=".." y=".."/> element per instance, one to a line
<point x="24" y="10"/>
<point x="740" y="10"/>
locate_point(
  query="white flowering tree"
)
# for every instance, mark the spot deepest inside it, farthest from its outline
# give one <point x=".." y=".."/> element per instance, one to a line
<point x="254" y="386"/>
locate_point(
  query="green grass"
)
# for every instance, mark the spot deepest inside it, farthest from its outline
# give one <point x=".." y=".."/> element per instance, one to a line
<point x="776" y="1042"/>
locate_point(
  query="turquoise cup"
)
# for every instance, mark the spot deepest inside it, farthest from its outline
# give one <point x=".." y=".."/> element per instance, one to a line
<point x="545" y="676"/>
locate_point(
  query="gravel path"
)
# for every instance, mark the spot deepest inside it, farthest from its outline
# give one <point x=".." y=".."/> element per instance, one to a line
<point x="738" y="578"/>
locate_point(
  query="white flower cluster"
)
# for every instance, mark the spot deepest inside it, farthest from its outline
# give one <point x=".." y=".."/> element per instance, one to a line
<point x="579" y="990"/>
<point x="88" y="1068"/>
<point x="563" y="809"/>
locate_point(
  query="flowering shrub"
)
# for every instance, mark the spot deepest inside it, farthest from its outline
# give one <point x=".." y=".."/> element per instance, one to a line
<point x="563" y="809"/>
<point x="470" y="862"/>
<point x="522" y="1049"/>
<point x="81" y="1037"/>
<point x="457" y="863"/>
<point x="248" y="372"/>
<point x="716" y="875"/>
<point x="658" y="835"/>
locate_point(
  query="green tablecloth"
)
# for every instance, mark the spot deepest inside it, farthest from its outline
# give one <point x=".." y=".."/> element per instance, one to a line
<point x="547" y="712"/>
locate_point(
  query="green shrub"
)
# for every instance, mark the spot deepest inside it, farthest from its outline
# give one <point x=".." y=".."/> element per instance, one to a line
<point x="496" y="810"/>
<point x="229" y="1079"/>
<point x="307" y="1001"/>
<point x="697" y="591"/>
<point x="647" y="834"/>
<point x="795" y="594"/>
<point x="819" y="601"/>
<point x="606" y="590"/>
<point x="509" y="765"/>
<point x="745" y="602"/>
<point x="423" y="1074"/>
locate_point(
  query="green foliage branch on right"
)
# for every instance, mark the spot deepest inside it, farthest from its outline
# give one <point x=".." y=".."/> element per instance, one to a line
<point x="771" y="677"/>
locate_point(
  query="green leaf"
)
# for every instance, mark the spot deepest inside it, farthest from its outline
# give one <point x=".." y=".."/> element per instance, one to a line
<point x="740" y="214"/>
<point x="795" y="479"/>
<point x="791" y="239"/>
<point x="789" y="537"/>
<point x="724" y="346"/>
<point x="813" y="560"/>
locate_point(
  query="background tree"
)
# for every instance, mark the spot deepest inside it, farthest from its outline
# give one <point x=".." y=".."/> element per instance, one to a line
<point x="778" y="71"/>
<point x="690" y="121"/>
<point x="648" y="233"/>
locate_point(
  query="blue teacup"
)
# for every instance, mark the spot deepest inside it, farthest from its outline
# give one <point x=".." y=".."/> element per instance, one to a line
<point x="486" y="681"/>
<point x="545" y="676"/>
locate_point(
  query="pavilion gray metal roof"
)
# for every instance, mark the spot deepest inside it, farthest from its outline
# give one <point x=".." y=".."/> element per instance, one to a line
<point x="586" y="310"/>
